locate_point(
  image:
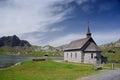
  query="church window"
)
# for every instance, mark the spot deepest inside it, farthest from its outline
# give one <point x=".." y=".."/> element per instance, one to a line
<point x="71" y="55"/>
<point x="67" y="55"/>
<point x="75" y="55"/>
<point x="91" y="55"/>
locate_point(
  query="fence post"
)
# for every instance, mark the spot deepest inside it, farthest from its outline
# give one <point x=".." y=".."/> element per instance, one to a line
<point x="112" y="65"/>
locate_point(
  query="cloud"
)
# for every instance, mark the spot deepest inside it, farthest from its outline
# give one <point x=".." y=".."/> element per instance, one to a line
<point x="106" y="6"/>
<point x="64" y="40"/>
<point x="57" y="29"/>
<point x="41" y="38"/>
<point x="33" y="19"/>
<point x="106" y="37"/>
<point x="88" y="8"/>
<point x="100" y="38"/>
<point x="35" y="38"/>
<point x="81" y="1"/>
<point x="96" y="6"/>
<point x="24" y="16"/>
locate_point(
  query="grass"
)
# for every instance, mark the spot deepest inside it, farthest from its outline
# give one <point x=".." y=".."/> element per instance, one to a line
<point x="41" y="54"/>
<point x="35" y="54"/>
<point x="113" y="57"/>
<point x="108" y="66"/>
<point x="28" y="51"/>
<point x="46" y="70"/>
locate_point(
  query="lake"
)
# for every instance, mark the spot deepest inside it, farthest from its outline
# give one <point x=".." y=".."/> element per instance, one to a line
<point x="9" y="60"/>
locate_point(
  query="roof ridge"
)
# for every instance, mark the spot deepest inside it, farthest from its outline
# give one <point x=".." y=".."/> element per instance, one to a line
<point x="77" y="44"/>
<point x="79" y="39"/>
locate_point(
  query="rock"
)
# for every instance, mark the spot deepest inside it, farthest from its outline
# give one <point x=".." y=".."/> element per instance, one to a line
<point x="13" y="41"/>
<point x="112" y="44"/>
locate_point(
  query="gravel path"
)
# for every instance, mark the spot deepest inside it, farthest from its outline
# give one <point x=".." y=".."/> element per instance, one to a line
<point x="105" y="75"/>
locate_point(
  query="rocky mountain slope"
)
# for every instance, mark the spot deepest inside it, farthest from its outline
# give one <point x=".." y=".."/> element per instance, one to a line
<point x="112" y="51"/>
<point x="62" y="47"/>
<point x="13" y="41"/>
<point x="111" y="45"/>
<point x="46" y="48"/>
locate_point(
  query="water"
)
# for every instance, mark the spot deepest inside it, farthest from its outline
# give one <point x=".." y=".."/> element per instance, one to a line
<point x="9" y="60"/>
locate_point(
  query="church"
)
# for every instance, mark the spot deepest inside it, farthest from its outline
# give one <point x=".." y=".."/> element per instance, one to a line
<point x="84" y="51"/>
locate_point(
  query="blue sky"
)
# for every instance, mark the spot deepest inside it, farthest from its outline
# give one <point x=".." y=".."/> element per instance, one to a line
<point x="58" y="22"/>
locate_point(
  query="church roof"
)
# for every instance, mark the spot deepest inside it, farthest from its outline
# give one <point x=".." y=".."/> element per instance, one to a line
<point x="85" y="44"/>
<point x="92" y="47"/>
<point x="77" y="44"/>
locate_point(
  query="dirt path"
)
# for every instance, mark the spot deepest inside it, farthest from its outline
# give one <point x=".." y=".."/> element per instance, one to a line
<point x="104" y="75"/>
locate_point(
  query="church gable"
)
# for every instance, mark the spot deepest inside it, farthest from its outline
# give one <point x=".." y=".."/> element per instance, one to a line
<point x="92" y="47"/>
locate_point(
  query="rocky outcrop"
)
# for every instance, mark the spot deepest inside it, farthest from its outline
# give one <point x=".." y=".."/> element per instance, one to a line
<point x="46" y="48"/>
<point x="49" y="48"/>
<point x="13" y="41"/>
<point x="62" y="47"/>
<point x="111" y="45"/>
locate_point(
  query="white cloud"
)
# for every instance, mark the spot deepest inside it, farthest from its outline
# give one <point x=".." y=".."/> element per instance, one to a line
<point x="57" y="29"/>
<point x="80" y="1"/>
<point x="106" y="37"/>
<point x="105" y="7"/>
<point x="23" y="16"/>
<point x="29" y="16"/>
<point x="64" y="40"/>
<point x="100" y="38"/>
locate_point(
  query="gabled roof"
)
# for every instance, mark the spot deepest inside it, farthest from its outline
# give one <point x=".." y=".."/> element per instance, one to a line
<point x="85" y="44"/>
<point x="77" y="44"/>
<point x="92" y="47"/>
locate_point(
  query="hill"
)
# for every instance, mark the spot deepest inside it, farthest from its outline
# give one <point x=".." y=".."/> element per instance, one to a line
<point x="62" y="47"/>
<point x="112" y="51"/>
<point x="13" y="41"/>
<point x="111" y="45"/>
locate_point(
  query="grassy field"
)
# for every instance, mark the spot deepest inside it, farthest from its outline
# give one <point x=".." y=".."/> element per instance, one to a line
<point x="113" y="57"/>
<point x="41" y="54"/>
<point x="27" y="51"/>
<point x="46" y="70"/>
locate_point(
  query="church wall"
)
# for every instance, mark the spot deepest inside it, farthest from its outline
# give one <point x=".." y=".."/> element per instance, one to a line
<point x="88" y="59"/>
<point x="72" y="56"/>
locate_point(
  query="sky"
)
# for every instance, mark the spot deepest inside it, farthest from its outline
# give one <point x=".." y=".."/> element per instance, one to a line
<point x="58" y="22"/>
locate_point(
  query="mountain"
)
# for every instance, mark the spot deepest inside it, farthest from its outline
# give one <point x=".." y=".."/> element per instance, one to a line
<point x="62" y="47"/>
<point x="111" y="45"/>
<point x="49" y="48"/>
<point x="112" y="51"/>
<point x="13" y="41"/>
<point x="46" y="48"/>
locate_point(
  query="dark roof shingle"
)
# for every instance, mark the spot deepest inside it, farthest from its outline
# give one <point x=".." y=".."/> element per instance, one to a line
<point x="77" y="44"/>
<point x="85" y="44"/>
<point x="92" y="47"/>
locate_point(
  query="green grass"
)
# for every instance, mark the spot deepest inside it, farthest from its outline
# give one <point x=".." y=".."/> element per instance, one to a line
<point x="108" y="66"/>
<point x="46" y="70"/>
<point x="28" y="51"/>
<point x="113" y="57"/>
<point x="41" y="54"/>
<point x="35" y="54"/>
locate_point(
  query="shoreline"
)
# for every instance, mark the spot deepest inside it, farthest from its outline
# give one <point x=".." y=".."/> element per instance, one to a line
<point x="18" y="63"/>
